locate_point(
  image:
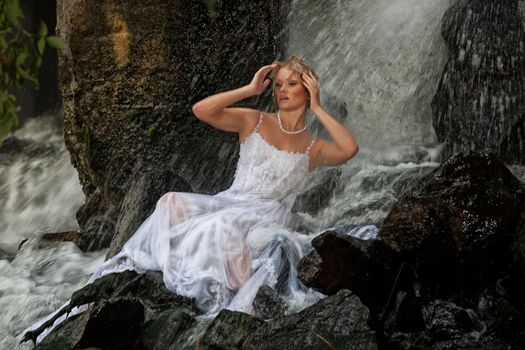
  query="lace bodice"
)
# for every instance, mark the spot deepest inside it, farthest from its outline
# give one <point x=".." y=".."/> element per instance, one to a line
<point x="265" y="172"/>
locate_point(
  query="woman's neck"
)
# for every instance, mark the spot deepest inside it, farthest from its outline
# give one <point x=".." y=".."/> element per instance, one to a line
<point x="292" y="120"/>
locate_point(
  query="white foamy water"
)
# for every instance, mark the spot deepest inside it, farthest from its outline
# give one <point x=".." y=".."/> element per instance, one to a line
<point x="380" y="59"/>
<point x="39" y="188"/>
<point x="38" y="281"/>
<point x="39" y="192"/>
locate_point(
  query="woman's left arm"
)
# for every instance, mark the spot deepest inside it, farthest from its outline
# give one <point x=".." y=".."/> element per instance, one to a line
<point x="344" y="146"/>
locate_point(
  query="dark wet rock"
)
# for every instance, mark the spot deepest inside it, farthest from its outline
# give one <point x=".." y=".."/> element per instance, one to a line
<point x="318" y="196"/>
<point x="268" y="304"/>
<point x="448" y="326"/>
<point x="339" y="321"/>
<point x="67" y="236"/>
<point x="111" y="324"/>
<point x="107" y="329"/>
<point x="479" y="101"/>
<point x="340" y="261"/>
<point x="457" y="239"/>
<point x="165" y="327"/>
<point x="140" y="201"/>
<point x="130" y="75"/>
<point x="228" y="330"/>
<point x="13" y="144"/>
<point x="406" y="316"/>
<point x="126" y="311"/>
<point x="457" y="231"/>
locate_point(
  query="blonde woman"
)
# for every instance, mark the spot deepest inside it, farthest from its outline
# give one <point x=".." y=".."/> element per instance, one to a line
<point x="219" y="249"/>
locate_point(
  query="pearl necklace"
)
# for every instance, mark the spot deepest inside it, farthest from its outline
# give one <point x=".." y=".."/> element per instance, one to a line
<point x="286" y="131"/>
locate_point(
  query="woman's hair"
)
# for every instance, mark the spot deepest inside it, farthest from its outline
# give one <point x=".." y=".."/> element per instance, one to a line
<point x="295" y="64"/>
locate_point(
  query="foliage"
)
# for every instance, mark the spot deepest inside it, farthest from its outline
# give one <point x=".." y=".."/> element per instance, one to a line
<point x="211" y="5"/>
<point x="20" y="60"/>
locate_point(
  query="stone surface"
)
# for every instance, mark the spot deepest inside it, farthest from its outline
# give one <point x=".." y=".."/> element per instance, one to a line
<point x="318" y="196"/>
<point x="479" y="102"/>
<point x="339" y="262"/>
<point x="268" y="304"/>
<point x="457" y="230"/>
<point x="67" y="236"/>
<point x="458" y="238"/>
<point x="127" y="311"/>
<point x="339" y="321"/>
<point x="129" y="77"/>
<point x="140" y="201"/>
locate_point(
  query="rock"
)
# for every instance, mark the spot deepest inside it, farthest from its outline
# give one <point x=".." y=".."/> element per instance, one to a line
<point x="454" y="236"/>
<point x="339" y="321"/>
<point x="129" y="77"/>
<point x="448" y="325"/>
<point x="67" y="236"/>
<point x="479" y="100"/>
<point x="127" y="311"/>
<point x="13" y="144"/>
<point x="406" y="316"/>
<point x="229" y="330"/>
<point x="456" y="231"/>
<point x="268" y="304"/>
<point x="367" y="267"/>
<point x="318" y="196"/>
<point x="114" y="324"/>
<point x="140" y="201"/>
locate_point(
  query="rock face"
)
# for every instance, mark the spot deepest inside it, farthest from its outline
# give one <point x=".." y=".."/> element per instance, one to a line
<point x="444" y="251"/>
<point x="129" y="77"/>
<point x="479" y="102"/>
<point x="340" y="322"/>
<point x="128" y="311"/>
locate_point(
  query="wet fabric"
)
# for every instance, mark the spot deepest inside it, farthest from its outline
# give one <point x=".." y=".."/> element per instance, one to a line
<point x="220" y="249"/>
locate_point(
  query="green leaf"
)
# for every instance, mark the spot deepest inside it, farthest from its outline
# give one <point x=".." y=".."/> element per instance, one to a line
<point x="20" y="60"/>
<point x="42" y="29"/>
<point x="13" y="12"/>
<point x="3" y="43"/>
<point x="37" y="63"/>
<point x="41" y="45"/>
<point x="210" y="5"/>
<point x="55" y="42"/>
<point x="25" y="74"/>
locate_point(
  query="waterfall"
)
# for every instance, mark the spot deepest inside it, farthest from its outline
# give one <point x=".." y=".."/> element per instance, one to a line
<point x="39" y="192"/>
<point x="380" y="59"/>
<point x="379" y="62"/>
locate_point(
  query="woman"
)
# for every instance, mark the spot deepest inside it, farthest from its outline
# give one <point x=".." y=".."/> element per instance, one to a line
<point x="295" y="89"/>
<point x="220" y="249"/>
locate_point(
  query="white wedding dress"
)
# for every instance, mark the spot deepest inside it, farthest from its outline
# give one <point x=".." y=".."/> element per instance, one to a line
<point x="220" y="249"/>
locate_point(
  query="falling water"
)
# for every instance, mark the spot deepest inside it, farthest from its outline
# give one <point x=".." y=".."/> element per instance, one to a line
<point x="379" y="63"/>
<point x="39" y="192"/>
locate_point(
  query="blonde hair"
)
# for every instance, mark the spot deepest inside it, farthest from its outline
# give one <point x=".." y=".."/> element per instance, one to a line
<point x="294" y="63"/>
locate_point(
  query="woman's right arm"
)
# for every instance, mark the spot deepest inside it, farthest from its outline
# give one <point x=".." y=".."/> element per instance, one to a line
<point x="213" y="109"/>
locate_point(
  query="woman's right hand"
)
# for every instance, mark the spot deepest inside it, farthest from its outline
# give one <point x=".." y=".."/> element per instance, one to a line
<point x="259" y="82"/>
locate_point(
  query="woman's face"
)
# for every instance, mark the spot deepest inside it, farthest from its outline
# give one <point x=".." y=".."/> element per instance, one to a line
<point x="289" y="91"/>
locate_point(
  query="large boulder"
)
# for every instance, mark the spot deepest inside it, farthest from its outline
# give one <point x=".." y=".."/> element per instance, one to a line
<point x="129" y="77"/>
<point x="126" y="311"/>
<point x="479" y="102"/>
<point x="457" y="237"/>
<point x="340" y="321"/>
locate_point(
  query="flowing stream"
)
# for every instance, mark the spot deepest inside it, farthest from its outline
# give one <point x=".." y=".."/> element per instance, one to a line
<point x="379" y="63"/>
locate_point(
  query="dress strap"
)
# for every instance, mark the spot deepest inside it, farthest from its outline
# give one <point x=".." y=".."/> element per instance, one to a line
<point x="310" y="146"/>
<point x="259" y="123"/>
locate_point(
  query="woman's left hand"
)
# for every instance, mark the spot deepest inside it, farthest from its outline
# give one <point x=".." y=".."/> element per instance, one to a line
<point x="312" y="86"/>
